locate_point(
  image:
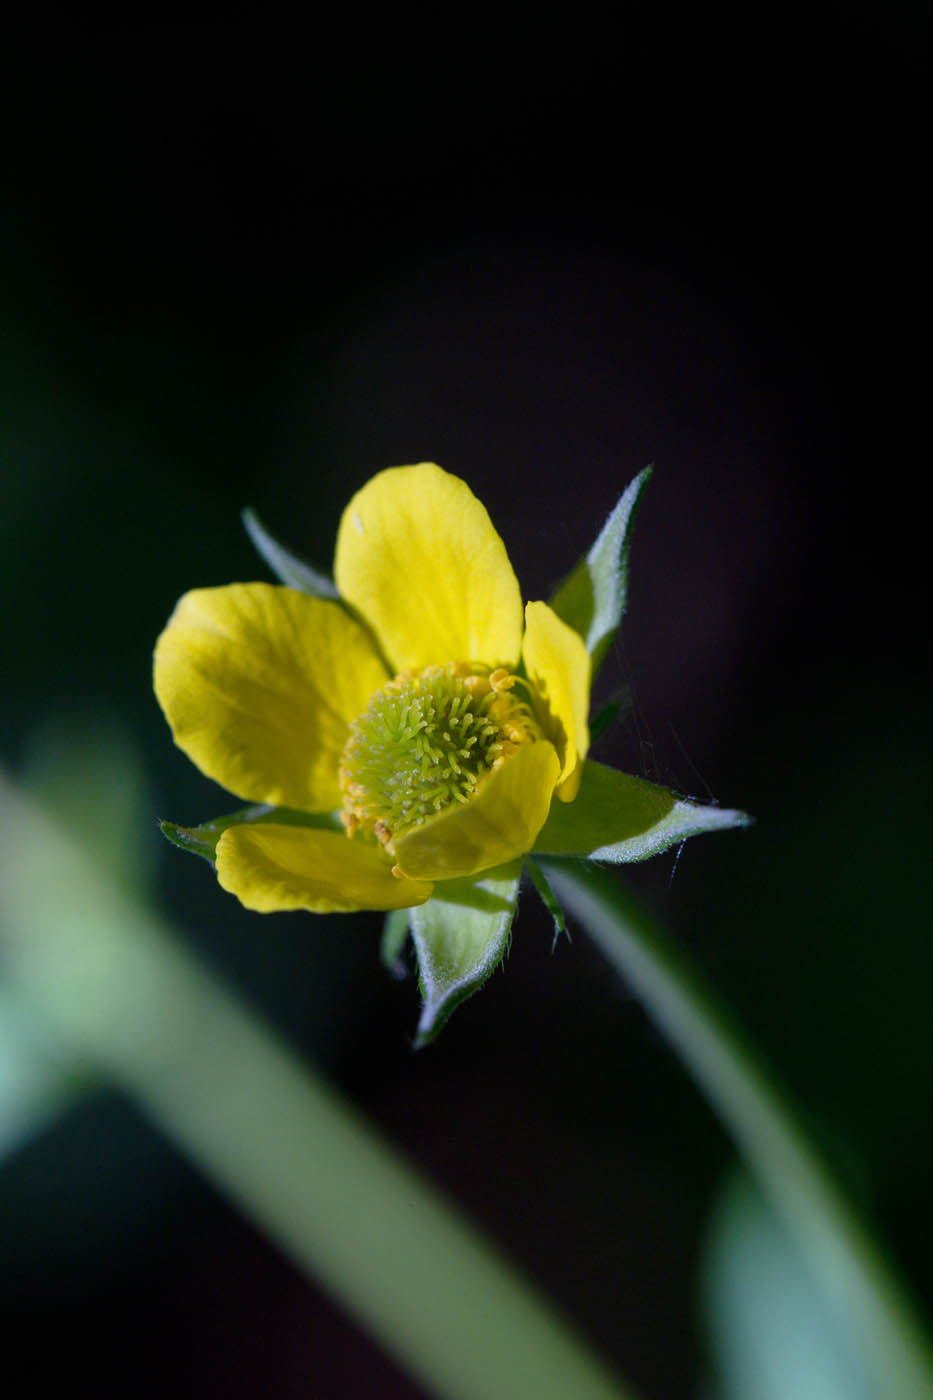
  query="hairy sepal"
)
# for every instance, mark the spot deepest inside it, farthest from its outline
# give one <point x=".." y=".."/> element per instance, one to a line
<point x="202" y="840"/>
<point x="620" y="818"/>
<point x="287" y="567"/>
<point x="592" y="598"/>
<point x="460" y="936"/>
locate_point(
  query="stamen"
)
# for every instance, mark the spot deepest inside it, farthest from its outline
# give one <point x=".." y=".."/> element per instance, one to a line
<point x="425" y="743"/>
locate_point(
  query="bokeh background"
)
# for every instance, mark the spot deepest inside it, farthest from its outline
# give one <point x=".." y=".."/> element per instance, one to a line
<point x="242" y="266"/>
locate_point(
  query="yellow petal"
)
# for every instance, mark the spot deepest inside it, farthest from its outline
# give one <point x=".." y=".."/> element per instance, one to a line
<point x="498" y="824"/>
<point x="418" y="557"/>
<point x="259" y="684"/>
<point x="558" y="666"/>
<point x="270" y="868"/>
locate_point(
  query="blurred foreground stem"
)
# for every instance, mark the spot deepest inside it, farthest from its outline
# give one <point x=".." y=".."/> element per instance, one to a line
<point x="841" y="1255"/>
<point x="117" y="989"/>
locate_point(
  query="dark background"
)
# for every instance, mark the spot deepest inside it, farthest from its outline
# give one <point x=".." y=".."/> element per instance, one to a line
<point x="246" y="266"/>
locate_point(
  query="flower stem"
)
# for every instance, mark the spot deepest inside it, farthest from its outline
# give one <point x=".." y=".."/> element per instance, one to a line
<point x="837" y="1246"/>
<point x="119" y="992"/>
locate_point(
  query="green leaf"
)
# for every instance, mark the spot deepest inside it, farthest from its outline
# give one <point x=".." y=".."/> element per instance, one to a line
<point x="291" y="570"/>
<point x="616" y="817"/>
<point x="460" y="936"/>
<point x="394" y="937"/>
<point x="592" y="599"/>
<point x="37" y="1083"/>
<point x="121" y="992"/>
<point x="548" y="897"/>
<point x="202" y="840"/>
<point x="777" y="1334"/>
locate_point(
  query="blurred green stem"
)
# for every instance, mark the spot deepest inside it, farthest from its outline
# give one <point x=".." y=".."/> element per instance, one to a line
<point x="117" y="988"/>
<point x="842" y="1257"/>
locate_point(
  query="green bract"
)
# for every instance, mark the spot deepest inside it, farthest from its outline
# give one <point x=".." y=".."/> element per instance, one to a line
<point x="408" y="738"/>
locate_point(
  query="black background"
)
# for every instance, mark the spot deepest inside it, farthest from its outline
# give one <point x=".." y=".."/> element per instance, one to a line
<point x="243" y="265"/>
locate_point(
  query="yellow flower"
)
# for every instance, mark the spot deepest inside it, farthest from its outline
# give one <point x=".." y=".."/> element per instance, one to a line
<point x="425" y="707"/>
<point x="407" y="740"/>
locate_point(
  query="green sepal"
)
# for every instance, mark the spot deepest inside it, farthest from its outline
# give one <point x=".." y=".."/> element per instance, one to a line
<point x="394" y="938"/>
<point x="548" y="897"/>
<point x="202" y="840"/>
<point x="618" y="818"/>
<point x="460" y="936"/>
<point x="618" y="704"/>
<point x="288" y="567"/>
<point x="592" y="598"/>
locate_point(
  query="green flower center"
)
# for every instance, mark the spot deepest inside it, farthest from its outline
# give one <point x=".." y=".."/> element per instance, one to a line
<point x="425" y="742"/>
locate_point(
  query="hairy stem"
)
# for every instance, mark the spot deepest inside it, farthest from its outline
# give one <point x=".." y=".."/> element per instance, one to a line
<point x="839" y="1250"/>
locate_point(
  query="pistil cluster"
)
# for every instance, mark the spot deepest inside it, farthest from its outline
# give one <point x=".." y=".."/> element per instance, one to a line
<point x="425" y="743"/>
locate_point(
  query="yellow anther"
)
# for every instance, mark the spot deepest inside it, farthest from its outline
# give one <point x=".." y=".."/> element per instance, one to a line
<point x="425" y="743"/>
<point x="478" y="686"/>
